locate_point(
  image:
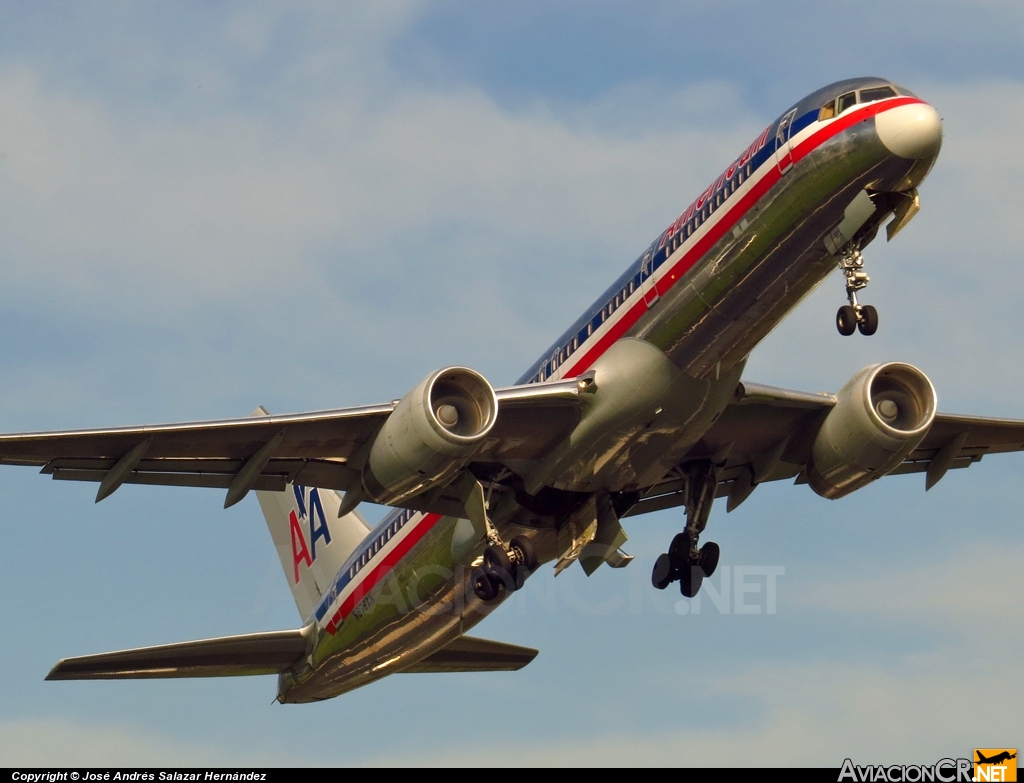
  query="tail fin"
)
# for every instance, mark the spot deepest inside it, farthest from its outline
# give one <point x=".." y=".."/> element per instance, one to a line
<point x="312" y="542"/>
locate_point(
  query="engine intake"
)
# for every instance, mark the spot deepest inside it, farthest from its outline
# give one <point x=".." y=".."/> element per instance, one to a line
<point x="880" y="416"/>
<point x="432" y="433"/>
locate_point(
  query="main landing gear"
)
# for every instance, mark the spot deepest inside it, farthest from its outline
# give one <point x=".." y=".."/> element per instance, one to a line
<point x="504" y="569"/>
<point x="855" y="316"/>
<point x="684" y="561"/>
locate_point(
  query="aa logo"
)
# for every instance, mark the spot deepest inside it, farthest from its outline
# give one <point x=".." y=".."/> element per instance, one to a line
<point x="998" y="764"/>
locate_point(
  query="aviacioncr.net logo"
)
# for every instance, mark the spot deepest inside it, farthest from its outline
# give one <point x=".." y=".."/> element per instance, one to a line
<point x="942" y="771"/>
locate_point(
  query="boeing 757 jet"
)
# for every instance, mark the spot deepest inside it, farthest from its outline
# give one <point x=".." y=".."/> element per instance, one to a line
<point x="639" y="406"/>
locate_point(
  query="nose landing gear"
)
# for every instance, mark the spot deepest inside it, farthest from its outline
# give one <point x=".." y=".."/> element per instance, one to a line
<point x="855" y="316"/>
<point x="685" y="561"/>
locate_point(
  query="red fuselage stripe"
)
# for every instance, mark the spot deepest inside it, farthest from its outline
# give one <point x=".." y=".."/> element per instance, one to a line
<point x="374" y="575"/>
<point x="726" y="223"/>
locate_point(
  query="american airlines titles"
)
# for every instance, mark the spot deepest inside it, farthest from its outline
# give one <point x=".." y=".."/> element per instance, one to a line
<point x="715" y="187"/>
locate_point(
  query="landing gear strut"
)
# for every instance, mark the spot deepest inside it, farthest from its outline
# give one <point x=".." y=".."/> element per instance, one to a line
<point x="685" y="561"/>
<point x="854" y="315"/>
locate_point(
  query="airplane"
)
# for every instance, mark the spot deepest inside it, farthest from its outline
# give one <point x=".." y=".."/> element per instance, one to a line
<point x="999" y="758"/>
<point x="638" y="407"/>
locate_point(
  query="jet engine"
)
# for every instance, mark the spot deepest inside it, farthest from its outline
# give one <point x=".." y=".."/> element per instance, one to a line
<point x="880" y="416"/>
<point x="432" y="433"/>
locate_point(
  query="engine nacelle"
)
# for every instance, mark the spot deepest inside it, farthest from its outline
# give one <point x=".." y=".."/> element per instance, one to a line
<point x="880" y="416"/>
<point x="432" y="433"/>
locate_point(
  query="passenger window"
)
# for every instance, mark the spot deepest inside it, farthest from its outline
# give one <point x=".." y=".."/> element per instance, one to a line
<point x="876" y="94"/>
<point x="828" y="111"/>
<point x="846" y="101"/>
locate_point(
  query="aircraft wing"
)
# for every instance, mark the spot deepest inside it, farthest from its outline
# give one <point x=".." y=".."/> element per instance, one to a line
<point x="766" y="434"/>
<point x="267" y="452"/>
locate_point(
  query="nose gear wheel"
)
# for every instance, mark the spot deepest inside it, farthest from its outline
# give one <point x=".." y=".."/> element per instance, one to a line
<point x="855" y="316"/>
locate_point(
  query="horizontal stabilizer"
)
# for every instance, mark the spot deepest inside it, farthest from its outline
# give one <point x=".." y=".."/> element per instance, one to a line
<point x="226" y="656"/>
<point x="469" y="654"/>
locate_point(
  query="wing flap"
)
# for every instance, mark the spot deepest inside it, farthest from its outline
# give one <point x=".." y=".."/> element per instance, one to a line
<point x="471" y="654"/>
<point x="327" y="474"/>
<point x="225" y="656"/>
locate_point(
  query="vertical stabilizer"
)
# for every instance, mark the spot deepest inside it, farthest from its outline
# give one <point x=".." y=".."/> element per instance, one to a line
<point x="311" y="541"/>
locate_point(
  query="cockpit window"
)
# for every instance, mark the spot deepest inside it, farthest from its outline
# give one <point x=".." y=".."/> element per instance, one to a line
<point x="846" y="101"/>
<point x="876" y="94"/>
<point x="828" y="111"/>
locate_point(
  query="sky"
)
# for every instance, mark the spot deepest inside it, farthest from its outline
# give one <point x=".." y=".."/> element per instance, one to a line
<point x="209" y="206"/>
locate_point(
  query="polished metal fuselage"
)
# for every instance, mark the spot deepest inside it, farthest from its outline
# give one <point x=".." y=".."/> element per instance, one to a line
<point x="668" y="376"/>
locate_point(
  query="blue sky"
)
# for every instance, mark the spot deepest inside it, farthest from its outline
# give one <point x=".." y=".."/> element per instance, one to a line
<point x="205" y="207"/>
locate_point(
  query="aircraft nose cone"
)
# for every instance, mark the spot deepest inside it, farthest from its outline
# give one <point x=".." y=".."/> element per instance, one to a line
<point x="913" y="131"/>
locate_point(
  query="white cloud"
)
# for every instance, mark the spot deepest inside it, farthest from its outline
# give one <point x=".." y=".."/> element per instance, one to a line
<point x="212" y="204"/>
<point x="809" y="714"/>
<point x="343" y="220"/>
<point x="977" y="591"/>
<point x="61" y="743"/>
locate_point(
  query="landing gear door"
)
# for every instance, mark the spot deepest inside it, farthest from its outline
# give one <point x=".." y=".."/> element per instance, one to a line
<point x="647" y="282"/>
<point x="783" y="150"/>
